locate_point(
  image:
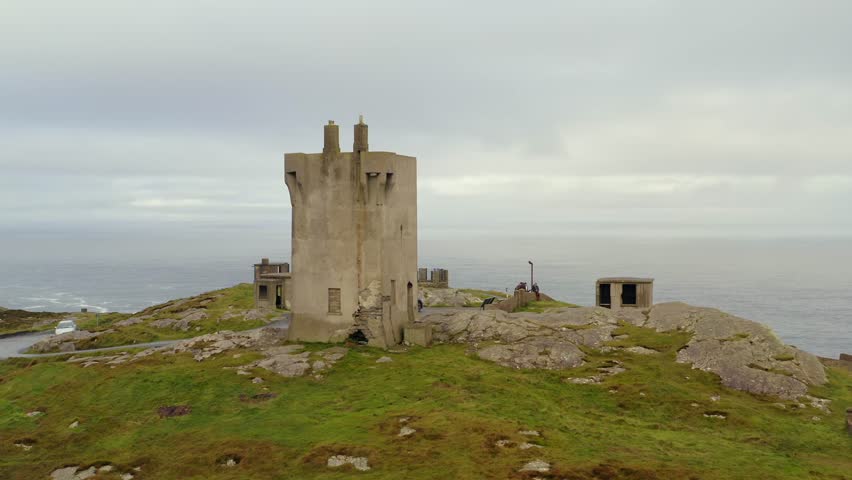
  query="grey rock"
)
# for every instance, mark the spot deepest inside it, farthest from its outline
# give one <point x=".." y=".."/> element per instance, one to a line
<point x="527" y="446"/>
<point x="384" y="360"/>
<point x="540" y="353"/>
<point x="65" y="342"/>
<point x="849" y="420"/>
<point x="87" y="473"/>
<point x="745" y="354"/>
<point x="360" y="463"/>
<point x="255" y="314"/>
<point x="65" y="473"/>
<point x="536" y="466"/>
<point x="549" y="340"/>
<point x="641" y="351"/>
<point x="132" y="320"/>
<point x="593" y="380"/>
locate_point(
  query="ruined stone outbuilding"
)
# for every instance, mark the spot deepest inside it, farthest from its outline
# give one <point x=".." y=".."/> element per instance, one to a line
<point x="271" y="284"/>
<point x="439" y="278"/>
<point x="354" y="241"/>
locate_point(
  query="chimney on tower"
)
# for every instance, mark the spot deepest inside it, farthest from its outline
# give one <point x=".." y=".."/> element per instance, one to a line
<point x="360" y="144"/>
<point x="331" y="134"/>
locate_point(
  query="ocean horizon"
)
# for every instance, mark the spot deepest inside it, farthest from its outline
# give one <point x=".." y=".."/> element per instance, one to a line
<point x="804" y="297"/>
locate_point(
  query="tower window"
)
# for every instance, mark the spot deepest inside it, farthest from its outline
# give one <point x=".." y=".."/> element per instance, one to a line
<point x="334" y="300"/>
<point x="261" y="292"/>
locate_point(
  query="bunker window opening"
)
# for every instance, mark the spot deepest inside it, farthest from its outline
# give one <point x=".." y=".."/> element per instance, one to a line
<point x="261" y="292"/>
<point x="334" y="300"/>
<point x="605" y="299"/>
<point x="628" y="294"/>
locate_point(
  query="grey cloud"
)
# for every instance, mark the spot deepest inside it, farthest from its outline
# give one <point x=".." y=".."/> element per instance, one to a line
<point x="121" y="112"/>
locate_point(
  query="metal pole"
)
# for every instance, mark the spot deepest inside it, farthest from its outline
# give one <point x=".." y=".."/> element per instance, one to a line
<point x="531" y="273"/>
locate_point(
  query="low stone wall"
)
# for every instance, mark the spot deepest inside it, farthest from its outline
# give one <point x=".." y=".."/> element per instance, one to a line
<point x="520" y="299"/>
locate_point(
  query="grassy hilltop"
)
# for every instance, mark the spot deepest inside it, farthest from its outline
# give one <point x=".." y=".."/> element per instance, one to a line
<point x="656" y="420"/>
<point x="225" y="309"/>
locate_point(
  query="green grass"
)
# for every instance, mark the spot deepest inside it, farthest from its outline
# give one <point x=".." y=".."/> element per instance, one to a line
<point x="637" y="424"/>
<point x="482" y="295"/>
<point x="215" y="304"/>
<point x="542" y="305"/>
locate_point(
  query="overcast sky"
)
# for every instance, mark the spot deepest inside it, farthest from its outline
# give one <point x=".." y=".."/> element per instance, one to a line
<point x="655" y="117"/>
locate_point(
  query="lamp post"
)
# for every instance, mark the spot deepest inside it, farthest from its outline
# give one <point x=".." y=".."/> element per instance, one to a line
<point x="531" y="272"/>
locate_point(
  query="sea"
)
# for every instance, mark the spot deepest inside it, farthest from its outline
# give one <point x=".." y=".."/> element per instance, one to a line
<point x="800" y="287"/>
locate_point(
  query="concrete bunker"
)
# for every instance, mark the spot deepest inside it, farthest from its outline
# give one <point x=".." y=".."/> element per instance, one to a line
<point x="622" y="292"/>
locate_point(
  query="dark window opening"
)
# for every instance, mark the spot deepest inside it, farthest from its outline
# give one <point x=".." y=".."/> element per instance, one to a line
<point x="628" y="294"/>
<point x="279" y="297"/>
<point x="261" y="292"/>
<point x="409" y="301"/>
<point x="605" y="298"/>
<point x="358" y="337"/>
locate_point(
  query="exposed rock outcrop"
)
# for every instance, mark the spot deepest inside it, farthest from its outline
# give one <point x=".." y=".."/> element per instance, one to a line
<point x="528" y="340"/>
<point x="206" y="346"/>
<point x="745" y="354"/>
<point x="284" y="360"/>
<point x="65" y="342"/>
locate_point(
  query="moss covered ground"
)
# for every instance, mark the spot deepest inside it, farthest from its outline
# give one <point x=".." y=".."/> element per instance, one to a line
<point x="646" y="423"/>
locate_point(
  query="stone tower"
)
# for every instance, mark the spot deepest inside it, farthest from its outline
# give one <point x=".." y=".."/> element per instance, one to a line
<point x="354" y="260"/>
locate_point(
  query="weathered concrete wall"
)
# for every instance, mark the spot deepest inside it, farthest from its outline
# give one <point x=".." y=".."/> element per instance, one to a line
<point x="354" y="229"/>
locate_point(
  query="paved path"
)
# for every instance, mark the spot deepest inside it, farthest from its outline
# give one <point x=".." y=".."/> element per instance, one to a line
<point x="12" y="346"/>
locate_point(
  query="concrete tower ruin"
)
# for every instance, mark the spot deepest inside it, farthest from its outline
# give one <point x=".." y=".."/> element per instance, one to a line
<point x="354" y="240"/>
